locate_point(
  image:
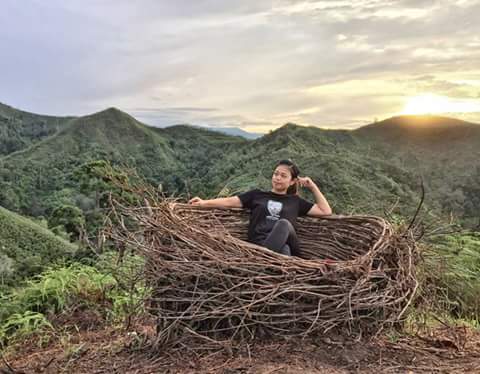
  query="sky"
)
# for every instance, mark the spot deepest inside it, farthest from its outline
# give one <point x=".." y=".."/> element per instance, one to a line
<point x="251" y="64"/>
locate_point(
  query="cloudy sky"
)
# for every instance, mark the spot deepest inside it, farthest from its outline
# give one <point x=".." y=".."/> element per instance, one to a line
<point x="249" y="63"/>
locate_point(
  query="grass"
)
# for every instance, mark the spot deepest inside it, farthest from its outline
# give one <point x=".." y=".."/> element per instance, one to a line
<point x="114" y="292"/>
<point x="450" y="282"/>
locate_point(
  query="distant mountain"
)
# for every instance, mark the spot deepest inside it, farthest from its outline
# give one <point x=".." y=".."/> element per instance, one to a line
<point x="425" y="131"/>
<point x="231" y="131"/>
<point x="204" y="134"/>
<point x="235" y="131"/>
<point x="426" y="138"/>
<point x="110" y="134"/>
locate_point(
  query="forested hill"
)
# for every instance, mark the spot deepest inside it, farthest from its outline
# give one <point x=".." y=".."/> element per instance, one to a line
<point x="365" y="170"/>
<point x="19" y="129"/>
<point x="427" y="137"/>
<point x="426" y="129"/>
<point x="444" y="151"/>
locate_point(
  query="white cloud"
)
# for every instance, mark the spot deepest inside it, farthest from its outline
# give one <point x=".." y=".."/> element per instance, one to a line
<point x="262" y="63"/>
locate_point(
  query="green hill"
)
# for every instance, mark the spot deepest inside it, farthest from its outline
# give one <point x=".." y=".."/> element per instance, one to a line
<point x="353" y="179"/>
<point x="365" y="170"/>
<point x="426" y="130"/>
<point x="199" y="151"/>
<point x="34" y="180"/>
<point x="443" y="151"/>
<point x="26" y="248"/>
<point x="19" y="129"/>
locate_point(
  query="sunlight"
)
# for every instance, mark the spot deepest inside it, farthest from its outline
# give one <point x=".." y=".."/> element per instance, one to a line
<point x="435" y="104"/>
<point x="426" y="104"/>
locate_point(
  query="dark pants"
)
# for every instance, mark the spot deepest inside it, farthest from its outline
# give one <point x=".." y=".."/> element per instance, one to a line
<point x="283" y="238"/>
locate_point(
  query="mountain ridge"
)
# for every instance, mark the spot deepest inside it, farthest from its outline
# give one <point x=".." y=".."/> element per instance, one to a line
<point x="406" y="122"/>
<point x="350" y="165"/>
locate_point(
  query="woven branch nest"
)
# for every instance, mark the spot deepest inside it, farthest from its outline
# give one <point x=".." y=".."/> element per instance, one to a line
<point x="355" y="272"/>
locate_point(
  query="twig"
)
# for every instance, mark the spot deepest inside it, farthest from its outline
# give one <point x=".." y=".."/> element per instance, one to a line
<point x="9" y="367"/>
<point x="422" y="198"/>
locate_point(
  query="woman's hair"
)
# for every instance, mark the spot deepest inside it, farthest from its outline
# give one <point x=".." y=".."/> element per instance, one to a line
<point x="294" y="171"/>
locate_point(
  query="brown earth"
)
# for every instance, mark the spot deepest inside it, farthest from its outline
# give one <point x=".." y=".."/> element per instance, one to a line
<point x="84" y="347"/>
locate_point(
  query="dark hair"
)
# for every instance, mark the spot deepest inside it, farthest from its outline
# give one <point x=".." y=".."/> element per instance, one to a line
<point x="294" y="171"/>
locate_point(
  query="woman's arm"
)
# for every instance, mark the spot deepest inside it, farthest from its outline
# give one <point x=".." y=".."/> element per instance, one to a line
<point x="321" y="206"/>
<point x="221" y="202"/>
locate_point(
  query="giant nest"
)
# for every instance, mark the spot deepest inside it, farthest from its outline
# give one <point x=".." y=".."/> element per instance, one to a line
<point x="355" y="273"/>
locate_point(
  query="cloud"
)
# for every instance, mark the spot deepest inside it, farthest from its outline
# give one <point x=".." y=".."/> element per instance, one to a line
<point x="239" y="62"/>
<point x="456" y="88"/>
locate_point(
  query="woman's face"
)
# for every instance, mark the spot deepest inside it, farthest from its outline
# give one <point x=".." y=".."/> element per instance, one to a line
<point x="282" y="179"/>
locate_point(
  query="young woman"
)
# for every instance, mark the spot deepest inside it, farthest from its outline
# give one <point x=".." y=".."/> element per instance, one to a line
<point x="273" y="214"/>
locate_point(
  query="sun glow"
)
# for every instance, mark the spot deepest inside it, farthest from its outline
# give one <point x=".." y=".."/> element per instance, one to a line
<point x="434" y="104"/>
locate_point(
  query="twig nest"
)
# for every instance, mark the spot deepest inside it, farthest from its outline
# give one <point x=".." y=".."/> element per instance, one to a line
<point x="209" y="283"/>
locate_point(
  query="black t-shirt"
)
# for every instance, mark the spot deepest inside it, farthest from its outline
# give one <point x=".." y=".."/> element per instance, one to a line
<point x="267" y="207"/>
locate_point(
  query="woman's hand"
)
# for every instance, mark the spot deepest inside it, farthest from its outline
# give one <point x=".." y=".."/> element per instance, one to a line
<point x="321" y="206"/>
<point x="306" y="182"/>
<point x="196" y="201"/>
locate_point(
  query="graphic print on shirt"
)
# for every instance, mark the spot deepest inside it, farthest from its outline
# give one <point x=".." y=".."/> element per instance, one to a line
<point x="274" y="208"/>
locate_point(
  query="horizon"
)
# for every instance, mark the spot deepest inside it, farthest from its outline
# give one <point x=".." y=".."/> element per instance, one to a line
<point x="252" y="65"/>
<point x="219" y="128"/>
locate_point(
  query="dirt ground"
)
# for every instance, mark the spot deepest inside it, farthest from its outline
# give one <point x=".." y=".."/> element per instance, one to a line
<point x="99" y="349"/>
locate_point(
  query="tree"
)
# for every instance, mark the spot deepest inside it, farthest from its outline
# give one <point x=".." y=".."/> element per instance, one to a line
<point x="70" y="218"/>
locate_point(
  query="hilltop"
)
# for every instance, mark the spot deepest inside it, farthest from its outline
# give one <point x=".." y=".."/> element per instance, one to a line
<point x="32" y="176"/>
<point x="427" y="139"/>
<point x="442" y="151"/>
<point x="19" y="129"/>
<point x="430" y="132"/>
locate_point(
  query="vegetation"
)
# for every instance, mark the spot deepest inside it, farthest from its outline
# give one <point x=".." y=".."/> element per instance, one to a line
<point x="19" y="130"/>
<point x="58" y="172"/>
<point x="440" y="150"/>
<point x="26" y="248"/>
<point x="111" y="291"/>
<point x="365" y="170"/>
<point x="452" y="271"/>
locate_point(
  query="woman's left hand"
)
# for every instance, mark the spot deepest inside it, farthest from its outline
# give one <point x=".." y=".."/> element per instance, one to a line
<point x="306" y="182"/>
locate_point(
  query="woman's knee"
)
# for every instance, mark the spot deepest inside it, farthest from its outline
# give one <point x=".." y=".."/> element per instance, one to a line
<point x="285" y="224"/>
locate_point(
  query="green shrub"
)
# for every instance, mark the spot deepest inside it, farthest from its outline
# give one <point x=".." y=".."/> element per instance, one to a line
<point x="22" y="325"/>
<point x="56" y="289"/>
<point x="115" y="292"/>
<point x="453" y="268"/>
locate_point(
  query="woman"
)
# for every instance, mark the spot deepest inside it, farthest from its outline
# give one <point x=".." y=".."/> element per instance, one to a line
<point x="273" y="213"/>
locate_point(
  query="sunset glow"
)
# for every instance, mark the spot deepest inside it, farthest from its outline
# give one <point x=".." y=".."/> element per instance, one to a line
<point x="426" y="104"/>
<point x="435" y="104"/>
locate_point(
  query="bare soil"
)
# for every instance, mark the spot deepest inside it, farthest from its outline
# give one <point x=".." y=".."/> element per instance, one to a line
<point x="85" y="345"/>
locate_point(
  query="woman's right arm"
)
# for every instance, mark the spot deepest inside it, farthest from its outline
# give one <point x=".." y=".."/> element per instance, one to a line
<point x="221" y="202"/>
